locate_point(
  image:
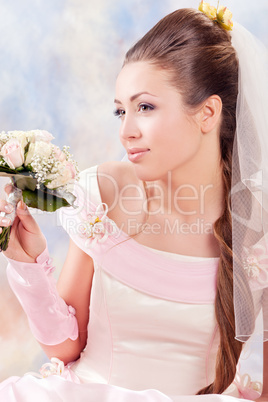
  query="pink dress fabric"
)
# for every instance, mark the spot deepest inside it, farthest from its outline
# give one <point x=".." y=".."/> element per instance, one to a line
<point x="152" y="334"/>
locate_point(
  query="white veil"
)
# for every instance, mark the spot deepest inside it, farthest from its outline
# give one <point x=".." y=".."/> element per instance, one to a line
<point x="249" y="194"/>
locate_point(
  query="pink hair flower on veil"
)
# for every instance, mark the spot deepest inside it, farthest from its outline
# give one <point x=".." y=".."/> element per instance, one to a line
<point x="255" y="264"/>
<point x="96" y="226"/>
<point x="251" y="266"/>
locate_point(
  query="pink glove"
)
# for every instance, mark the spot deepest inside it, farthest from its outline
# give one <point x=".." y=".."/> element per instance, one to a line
<point x="51" y="320"/>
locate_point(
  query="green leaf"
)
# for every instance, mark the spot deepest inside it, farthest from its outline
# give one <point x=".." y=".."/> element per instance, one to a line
<point x="43" y="200"/>
<point x="7" y="171"/>
<point x="4" y="238"/>
<point x="25" y="181"/>
<point x="26" y="149"/>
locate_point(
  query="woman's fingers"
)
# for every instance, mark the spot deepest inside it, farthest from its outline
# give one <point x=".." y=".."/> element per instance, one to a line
<point x="26" y="218"/>
<point x="5" y="221"/>
<point x="5" y="209"/>
<point x="6" y="206"/>
<point x="8" y="188"/>
<point x="22" y="212"/>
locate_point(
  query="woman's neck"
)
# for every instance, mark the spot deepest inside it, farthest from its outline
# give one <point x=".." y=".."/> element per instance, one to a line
<point x="192" y="190"/>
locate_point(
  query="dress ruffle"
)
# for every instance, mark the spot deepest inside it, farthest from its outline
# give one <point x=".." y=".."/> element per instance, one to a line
<point x="57" y="389"/>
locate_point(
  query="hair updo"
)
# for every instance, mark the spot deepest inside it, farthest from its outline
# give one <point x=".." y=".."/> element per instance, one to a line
<point x="198" y="55"/>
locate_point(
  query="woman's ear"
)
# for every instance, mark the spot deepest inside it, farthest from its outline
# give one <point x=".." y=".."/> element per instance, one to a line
<point x="211" y="113"/>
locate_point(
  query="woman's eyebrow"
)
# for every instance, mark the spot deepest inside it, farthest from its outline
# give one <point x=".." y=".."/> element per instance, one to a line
<point x="135" y="96"/>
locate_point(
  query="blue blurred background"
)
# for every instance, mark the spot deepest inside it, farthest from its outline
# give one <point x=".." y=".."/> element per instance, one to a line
<point x="58" y="65"/>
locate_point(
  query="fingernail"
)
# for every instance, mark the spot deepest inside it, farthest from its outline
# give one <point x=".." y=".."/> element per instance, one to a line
<point x="8" y="208"/>
<point x="5" y="221"/>
<point x="22" y="205"/>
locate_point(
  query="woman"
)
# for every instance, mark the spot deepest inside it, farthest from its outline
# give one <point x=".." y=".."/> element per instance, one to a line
<point x="158" y="273"/>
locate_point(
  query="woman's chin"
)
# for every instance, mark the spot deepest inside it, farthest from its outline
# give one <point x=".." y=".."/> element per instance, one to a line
<point x="145" y="173"/>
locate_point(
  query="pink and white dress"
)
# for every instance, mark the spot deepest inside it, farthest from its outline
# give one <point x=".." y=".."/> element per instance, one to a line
<point x="152" y="333"/>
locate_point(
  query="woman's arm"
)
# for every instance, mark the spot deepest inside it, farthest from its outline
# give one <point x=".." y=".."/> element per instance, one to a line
<point x="74" y="286"/>
<point x="26" y="245"/>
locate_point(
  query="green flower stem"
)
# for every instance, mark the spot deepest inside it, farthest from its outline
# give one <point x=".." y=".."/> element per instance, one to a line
<point x="4" y="238"/>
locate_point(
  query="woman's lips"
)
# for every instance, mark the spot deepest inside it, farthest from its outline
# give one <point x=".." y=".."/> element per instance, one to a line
<point x="135" y="154"/>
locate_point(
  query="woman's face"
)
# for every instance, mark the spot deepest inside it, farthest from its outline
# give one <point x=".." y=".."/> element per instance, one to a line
<point x="156" y="131"/>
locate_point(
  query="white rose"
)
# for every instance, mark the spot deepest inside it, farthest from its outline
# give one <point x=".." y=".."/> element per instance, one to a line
<point x="21" y="136"/>
<point x="40" y="148"/>
<point x="12" y="153"/>
<point x="41" y="135"/>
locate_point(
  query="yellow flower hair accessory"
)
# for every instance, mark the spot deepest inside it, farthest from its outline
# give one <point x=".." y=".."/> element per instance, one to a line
<point x="221" y="14"/>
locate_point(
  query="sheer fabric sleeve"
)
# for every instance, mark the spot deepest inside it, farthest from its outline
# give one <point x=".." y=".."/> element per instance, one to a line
<point x="87" y="223"/>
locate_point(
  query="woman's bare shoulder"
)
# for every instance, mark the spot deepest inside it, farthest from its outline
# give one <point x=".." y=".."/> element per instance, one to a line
<point x="113" y="177"/>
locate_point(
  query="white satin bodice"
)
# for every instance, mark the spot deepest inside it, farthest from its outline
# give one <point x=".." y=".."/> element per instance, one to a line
<point x="138" y="341"/>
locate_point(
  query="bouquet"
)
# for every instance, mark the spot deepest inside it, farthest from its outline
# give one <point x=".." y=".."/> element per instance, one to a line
<point x="40" y="171"/>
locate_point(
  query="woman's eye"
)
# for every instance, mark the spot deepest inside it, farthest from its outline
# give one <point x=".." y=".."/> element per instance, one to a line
<point x="145" y="107"/>
<point x="119" y="113"/>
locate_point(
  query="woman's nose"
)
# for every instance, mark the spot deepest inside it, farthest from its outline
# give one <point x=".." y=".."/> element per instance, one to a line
<point x="129" y="128"/>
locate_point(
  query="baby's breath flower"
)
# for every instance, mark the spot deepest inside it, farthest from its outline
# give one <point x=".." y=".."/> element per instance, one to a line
<point x="4" y="138"/>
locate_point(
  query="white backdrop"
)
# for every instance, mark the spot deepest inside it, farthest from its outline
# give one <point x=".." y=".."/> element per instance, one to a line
<point x="58" y="65"/>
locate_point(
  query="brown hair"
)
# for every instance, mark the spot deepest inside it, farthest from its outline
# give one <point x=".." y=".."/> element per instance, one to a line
<point x="201" y="62"/>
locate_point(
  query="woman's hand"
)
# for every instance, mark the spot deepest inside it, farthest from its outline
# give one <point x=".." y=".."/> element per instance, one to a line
<point x="26" y="240"/>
